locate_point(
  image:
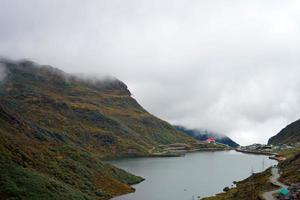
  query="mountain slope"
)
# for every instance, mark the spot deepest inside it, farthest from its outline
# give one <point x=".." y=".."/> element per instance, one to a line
<point x="55" y="128"/>
<point x="289" y="135"/>
<point x="204" y="135"/>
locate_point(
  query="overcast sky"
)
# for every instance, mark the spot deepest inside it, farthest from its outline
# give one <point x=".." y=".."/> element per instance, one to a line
<point x="229" y="66"/>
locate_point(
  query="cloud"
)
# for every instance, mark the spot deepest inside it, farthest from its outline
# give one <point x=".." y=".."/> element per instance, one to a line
<point x="226" y="66"/>
<point x="3" y="72"/>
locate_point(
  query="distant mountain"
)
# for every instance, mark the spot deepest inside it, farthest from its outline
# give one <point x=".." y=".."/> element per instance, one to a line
<point x="289" y="135"/>
<point x="203" y="135"/>
<point x="55" y="128"/>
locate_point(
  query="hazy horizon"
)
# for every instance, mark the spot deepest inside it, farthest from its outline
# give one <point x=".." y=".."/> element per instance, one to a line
<point x="231" y="67"/>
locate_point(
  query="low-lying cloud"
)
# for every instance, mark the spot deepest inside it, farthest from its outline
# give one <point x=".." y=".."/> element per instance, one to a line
<point x="3" y="72"/>
<point x="231" y="67"/>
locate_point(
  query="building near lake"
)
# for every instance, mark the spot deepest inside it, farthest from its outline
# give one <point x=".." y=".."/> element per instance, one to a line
<point x="211" y="140"/>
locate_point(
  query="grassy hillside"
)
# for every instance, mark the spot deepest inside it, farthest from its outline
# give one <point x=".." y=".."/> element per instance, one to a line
<point x="55" y="129"/>
<point x="290" y="169"/>
<point x="33" y="167"/>
<point x="288" y="135"/>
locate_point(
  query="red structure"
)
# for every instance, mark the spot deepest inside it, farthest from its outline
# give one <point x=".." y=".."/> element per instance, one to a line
<point x="211" y="140"/>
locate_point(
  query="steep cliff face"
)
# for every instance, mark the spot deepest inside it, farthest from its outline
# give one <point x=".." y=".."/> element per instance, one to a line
<point x="56" y="127"/>
<point x="289" y="135"/>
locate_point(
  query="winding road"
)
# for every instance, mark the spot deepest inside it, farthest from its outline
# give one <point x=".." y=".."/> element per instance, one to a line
<point x="274" y="181"/>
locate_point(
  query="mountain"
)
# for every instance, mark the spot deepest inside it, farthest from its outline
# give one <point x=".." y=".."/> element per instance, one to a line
<point x="289" y="135"/>
<point x="56" y="128"/>
<point x="203" y="135"/>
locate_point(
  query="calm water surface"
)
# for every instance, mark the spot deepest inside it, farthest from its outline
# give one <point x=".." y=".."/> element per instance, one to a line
<point x="196" y="174"/>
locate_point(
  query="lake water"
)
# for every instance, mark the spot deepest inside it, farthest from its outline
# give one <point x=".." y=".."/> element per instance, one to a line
<point x="196" y="174"/>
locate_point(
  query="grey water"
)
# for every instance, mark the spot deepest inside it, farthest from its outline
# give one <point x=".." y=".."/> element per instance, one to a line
<point x="196" y="174"/>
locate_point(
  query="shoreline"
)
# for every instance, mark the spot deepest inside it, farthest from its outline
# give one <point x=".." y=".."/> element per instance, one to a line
<point x="277" y="158"/>
<point x="256" y="152"/>
<point x="166" y="154"/>
<point x="182" y="153"/>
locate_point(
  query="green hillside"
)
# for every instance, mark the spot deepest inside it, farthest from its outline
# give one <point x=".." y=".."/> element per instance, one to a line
<point x="56" y="128"/>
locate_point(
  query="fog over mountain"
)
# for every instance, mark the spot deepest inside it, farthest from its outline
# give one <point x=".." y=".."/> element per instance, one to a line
<point x="2" y="72"/>
<point x="228" y="66"/>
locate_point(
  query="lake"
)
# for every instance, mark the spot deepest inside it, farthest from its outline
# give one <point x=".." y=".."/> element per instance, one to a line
<point x="196" y="174"/>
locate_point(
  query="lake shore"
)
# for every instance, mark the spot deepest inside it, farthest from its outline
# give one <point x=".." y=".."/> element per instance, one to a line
<point x="256" y="152"/>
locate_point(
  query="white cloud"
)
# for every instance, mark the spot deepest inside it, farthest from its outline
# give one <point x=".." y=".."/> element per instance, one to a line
<point x="227" y="66"/>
